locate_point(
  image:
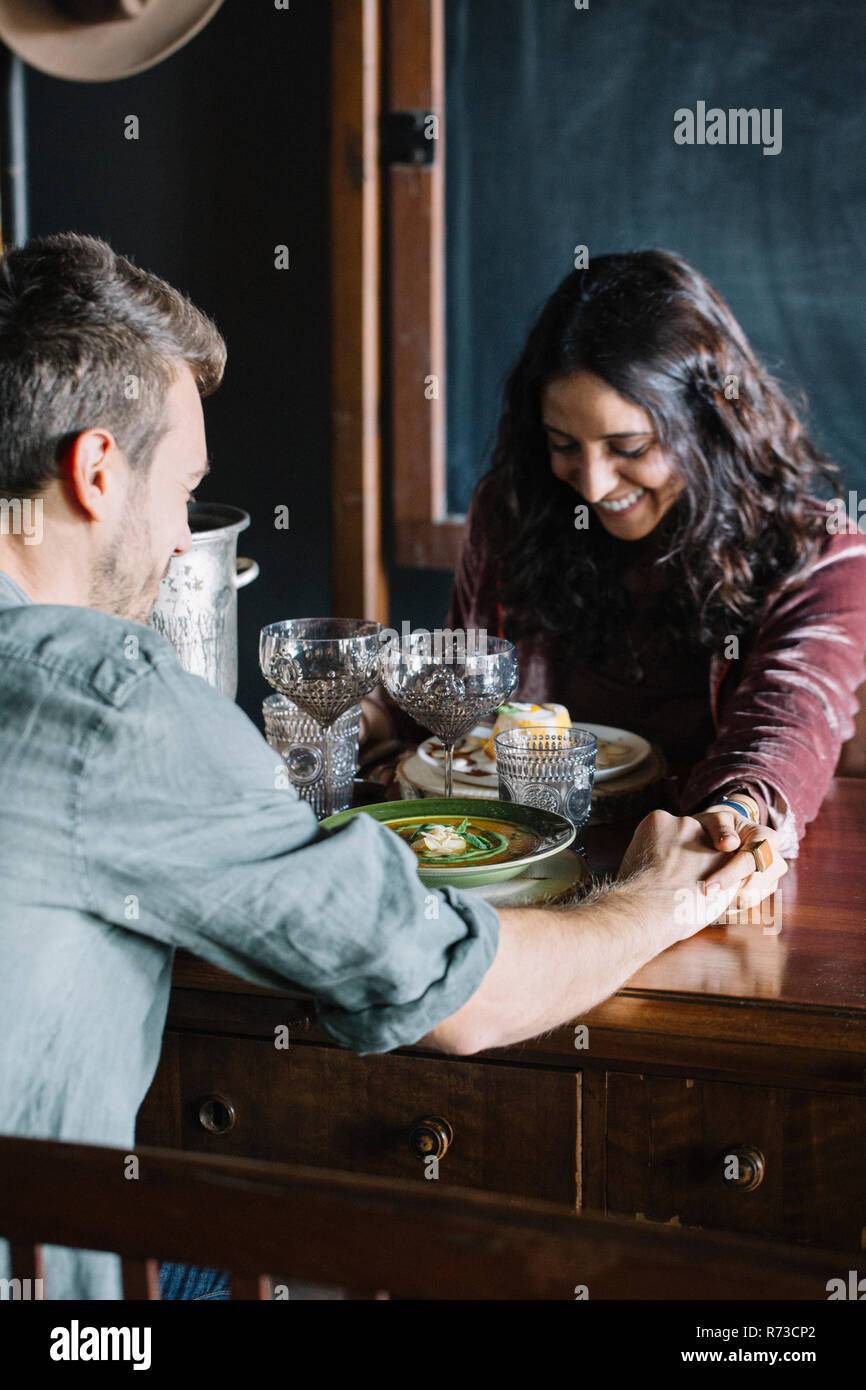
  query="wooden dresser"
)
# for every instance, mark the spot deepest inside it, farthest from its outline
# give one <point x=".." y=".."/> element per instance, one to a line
<point x="724" y="1087"/>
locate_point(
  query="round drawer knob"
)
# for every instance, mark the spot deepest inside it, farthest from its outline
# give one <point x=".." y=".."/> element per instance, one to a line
<point x="216" y="1114"/>
<point x="743" y="1168"/>
<point x="431" y="1137"/>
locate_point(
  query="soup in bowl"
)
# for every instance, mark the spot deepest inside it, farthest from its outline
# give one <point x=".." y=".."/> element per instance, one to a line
<point x="466" y="841"/>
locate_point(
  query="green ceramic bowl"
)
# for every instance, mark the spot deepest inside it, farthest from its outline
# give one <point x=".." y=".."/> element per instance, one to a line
<point x="556" y="833"/>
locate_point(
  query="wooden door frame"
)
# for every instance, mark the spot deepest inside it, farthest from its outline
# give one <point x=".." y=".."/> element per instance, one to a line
<point x="388" y="365"/>
<point x="358" y="579"/>
<point x="425" y="535"/>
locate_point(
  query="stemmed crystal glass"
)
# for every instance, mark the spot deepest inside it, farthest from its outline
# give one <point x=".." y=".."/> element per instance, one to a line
<point x="448" y="691"/>
<point x="324" y="665"/>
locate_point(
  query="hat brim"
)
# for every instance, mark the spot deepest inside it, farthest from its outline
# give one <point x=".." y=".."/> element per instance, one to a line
<point x="104" y="52"/>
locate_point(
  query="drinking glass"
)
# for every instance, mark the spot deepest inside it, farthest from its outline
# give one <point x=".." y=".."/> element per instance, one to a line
<point x="320" y="763"/>
<point x="448" y="691"/>
<point x="324" y="666"/>
<point x="550" y="768"/>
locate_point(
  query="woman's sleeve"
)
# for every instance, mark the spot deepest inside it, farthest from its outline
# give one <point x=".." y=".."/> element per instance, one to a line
<point x="783" y="720"/>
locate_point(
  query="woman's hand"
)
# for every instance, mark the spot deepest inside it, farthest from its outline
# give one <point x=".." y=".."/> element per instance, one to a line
<point x="732" y="833"/>
<point x="670" y="859"/>
<point x="722" y="824"/>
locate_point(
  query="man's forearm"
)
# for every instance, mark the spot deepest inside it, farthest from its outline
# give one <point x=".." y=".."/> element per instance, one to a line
<point x="554" y="964"/>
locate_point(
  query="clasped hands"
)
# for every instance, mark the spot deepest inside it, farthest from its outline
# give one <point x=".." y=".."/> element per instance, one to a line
<point x="680" y="857"/>
<point x="731" y="833"/>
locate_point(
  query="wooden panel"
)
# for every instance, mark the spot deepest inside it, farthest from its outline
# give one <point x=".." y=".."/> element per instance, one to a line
<point x="824" y="1151"/>
<point x="516" y="1130"/>
<point x="26" y="1260"/>
<point x="358" y="576"/>
<point x="252" y="1286"/>
<point x="429" y="544"/>
<point x="424" y="535"/>
<point x="593" y="1130"/>
<point x="667" y="1138"/>
<point x="158" y="1120"/>
<point x="141" y="1279"/>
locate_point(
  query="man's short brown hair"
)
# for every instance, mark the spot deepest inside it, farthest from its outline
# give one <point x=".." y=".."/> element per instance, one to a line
<point x="88" y="339"/>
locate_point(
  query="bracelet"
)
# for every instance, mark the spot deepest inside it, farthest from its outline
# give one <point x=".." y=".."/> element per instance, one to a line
<point x="735" y="805"/>
<point x="743" y="798"/>
<point x="749" y="812"/>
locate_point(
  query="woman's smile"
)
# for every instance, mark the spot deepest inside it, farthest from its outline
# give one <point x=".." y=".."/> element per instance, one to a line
<point x="618" y="506"/>
<point x="606" y="448"/>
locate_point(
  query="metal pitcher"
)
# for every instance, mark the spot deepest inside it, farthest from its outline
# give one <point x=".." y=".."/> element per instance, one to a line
<point x="197" y="606"/>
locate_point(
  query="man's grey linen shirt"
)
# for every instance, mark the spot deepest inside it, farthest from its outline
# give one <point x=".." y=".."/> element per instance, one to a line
<point x="140" y="810"/>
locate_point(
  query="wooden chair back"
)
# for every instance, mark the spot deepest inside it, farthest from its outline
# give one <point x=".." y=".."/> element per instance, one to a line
<point x="261" y="1220"/>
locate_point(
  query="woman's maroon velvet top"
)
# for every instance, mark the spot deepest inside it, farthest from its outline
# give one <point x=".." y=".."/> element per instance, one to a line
<point x="771" y="721"/>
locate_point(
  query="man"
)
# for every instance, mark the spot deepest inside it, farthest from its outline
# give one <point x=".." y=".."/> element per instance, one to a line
<point x="139" y="809"/>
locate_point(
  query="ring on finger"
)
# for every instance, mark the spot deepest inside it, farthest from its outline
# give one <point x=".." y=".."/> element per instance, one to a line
<point x="762" y="853"/>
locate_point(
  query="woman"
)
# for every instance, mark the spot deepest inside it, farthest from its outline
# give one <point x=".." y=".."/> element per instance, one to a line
<point x="650" y="538"/>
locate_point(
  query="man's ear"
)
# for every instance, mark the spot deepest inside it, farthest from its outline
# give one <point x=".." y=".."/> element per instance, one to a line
<point x="89" y="465"/>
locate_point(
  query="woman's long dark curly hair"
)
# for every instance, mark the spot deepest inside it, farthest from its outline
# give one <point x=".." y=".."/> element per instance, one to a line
<point x="651" y="327"/>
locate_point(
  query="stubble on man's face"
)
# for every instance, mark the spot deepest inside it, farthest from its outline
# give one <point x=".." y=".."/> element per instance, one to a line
<point x="153" y="525"/>
<point x="125" y="580"/>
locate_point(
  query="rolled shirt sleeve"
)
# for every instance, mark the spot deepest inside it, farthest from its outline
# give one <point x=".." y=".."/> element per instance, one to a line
<point x="188" y="832"/>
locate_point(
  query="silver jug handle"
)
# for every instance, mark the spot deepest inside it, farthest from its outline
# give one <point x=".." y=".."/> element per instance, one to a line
<point x="247" y="571"/>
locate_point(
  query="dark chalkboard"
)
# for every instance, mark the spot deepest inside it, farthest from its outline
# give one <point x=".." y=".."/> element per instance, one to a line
<point x="560" y="132"/>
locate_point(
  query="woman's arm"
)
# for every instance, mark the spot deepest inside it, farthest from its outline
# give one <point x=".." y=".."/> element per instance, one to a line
<point x="784" y="717"/>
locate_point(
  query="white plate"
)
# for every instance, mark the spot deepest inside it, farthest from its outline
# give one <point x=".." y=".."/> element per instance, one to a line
<point x="619" y="751"/>
<point x="467" y="755"/>
<point x="627" y="750"/>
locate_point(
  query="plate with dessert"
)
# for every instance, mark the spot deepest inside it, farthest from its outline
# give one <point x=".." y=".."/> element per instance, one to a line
<point x="619" y="750"/>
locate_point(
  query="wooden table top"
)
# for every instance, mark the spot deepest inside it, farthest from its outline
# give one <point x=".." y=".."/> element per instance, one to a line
<point x="790" y="1001"/>
<point x="813" y="953"/>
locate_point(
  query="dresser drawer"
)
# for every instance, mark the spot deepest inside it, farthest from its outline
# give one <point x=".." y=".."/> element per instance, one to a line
<point x="741" y="1158"/>
<point x="501" y="1128"/>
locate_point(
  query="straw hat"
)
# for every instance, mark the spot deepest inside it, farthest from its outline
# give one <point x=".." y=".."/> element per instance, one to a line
<point x="100" y="40"/>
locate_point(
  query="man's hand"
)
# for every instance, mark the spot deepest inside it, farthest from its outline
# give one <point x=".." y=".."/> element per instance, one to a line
<point x="727" y="830"/>
<point x="671" y="856"/>
<point x="553" y="965"/>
